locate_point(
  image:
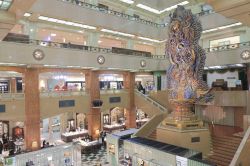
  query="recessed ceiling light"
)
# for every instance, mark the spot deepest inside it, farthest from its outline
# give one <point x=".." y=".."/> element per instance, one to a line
<point x="99" y="41"/>
<point x="117" y="33"/>
<point x="53" y="34"/>
<point x="128" y="1"/>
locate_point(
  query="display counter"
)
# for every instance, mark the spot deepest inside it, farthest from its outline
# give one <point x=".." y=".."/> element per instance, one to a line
<point x="140" y="122"/>
<point x="62" y="155"/>
<point x="88" y="146"/>
<point x="114" y="127"/>
<point x="69" y="136"/>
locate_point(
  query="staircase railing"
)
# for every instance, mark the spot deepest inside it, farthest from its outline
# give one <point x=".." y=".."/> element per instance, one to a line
<point x="156" y="104"/>
<point x="151" y="125"/>
<point x="243" y="150"/>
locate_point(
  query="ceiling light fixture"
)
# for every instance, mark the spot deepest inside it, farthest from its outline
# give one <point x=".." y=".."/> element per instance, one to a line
<point x="148" y="39"/>
<point x="150" y="9"/>
<point x="54" y="20"/>
<point x="222" y="27"/>
<point x="53" y="34"/>
<point x="27" y="14"/>
<point x="117" y="33"/>
<point x="128" y="1"/>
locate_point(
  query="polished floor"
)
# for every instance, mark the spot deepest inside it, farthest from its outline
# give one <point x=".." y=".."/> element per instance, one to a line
<point x="96" y="159"/>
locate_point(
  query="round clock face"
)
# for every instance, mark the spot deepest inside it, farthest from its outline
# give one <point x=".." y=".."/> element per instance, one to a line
<point x="245" y="55"/>
<point x="143" y="63"/>
<point x="38" y="54"/>
<point x="100" y="59"/>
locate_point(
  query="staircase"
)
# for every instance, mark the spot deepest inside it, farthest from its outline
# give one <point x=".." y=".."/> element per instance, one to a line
<point x="153" y="135"/>
<point x="223" y="149"/>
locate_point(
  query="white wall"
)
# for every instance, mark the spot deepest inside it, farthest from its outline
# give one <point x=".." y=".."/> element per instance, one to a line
<point x="226" y="76"/>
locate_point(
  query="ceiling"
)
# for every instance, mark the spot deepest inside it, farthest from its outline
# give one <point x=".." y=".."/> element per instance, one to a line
<point x="234" y="9"/>
<point x="158" y="4"/>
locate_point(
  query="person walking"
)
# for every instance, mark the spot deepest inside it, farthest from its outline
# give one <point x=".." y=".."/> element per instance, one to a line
<point x="1" y="147"/>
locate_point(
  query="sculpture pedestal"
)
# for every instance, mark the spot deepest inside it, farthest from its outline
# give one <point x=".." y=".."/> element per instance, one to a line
<point x="198" y="139"/>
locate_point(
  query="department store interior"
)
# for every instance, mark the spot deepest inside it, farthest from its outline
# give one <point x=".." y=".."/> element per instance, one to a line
<point x="124" y="83"/>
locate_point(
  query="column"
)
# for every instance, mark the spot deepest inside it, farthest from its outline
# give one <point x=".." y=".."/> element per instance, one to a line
<point x="130" y="44"/>
<point x="129" y="83"/>
<point x="93" y="38"/>
<point x="32" y="109"/>
<point x="94" y="115"/>
<point x="30" y="28"/>
<point x="13" y="85"/>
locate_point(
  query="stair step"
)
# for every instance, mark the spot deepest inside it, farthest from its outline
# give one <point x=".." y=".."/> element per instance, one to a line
<point x="227" y="138"/>
<point x="223" y="151"/>
<point x="225" y="146"/>
<point x="219" y="160"/>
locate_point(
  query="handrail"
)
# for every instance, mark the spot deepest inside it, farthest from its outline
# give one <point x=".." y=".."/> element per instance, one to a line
<point x="242" y="145"/>
<point x="162" y="108"/>
<point x="227" y="47"/>
<point x="110" y="91"/>
<point x="124" y="15"/>
<point x="11" y="96"/>
<point x="80" y="47"/>
<point x="108" y="50"/>
<point x="62" y="93"/>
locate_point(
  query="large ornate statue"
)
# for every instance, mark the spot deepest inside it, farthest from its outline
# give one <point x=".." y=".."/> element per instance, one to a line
<point x="187" y="60"/>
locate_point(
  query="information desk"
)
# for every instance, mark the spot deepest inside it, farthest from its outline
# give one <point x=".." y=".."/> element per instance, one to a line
<point x="114" y="127"/>
<point x="88" y="147"/>
<point x="69" y="136"/>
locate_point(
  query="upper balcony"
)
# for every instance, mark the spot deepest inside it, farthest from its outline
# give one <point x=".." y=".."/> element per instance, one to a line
<point x="51" y="54"/>
<point x="227" y="54"/>
<point x="95" y="16"/>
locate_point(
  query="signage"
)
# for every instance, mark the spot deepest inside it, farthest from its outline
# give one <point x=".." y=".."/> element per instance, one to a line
<point x="66" y="103"/>
<point x="114" y="99"/>
<point x="2" y="108"/>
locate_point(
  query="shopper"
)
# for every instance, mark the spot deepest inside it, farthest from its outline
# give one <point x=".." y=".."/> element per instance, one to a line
<point x="1" y="147"/>
<point x="5" y="142"/>
<point x="44" y="143"/>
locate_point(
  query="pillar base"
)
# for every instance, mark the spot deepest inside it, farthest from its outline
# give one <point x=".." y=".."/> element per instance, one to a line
<point x="197" y="139"/>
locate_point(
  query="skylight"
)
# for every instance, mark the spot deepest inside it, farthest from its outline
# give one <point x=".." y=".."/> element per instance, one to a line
<point x="222" y="27"/>
<point x="160" y="11"/>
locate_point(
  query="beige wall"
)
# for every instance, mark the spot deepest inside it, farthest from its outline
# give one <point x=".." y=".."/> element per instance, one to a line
<point x="183" y="139"/>
<point x="14" y="110"/>
<point x="107" y="106"/>
<point x="50" y="106"/>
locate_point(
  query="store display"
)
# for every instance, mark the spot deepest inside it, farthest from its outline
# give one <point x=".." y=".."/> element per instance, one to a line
<point x="4" y="128"/>
<point x="106" y="119"/>
<point x="17" y="132"/>
<point x="69" y="136"/>
<point x="114" y="127"/>
<point x="4" y="86"/>
<point x="111" y="148"/>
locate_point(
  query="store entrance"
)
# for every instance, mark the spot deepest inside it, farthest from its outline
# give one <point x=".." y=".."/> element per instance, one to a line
<point x="114" y="120"/>
<point x="63" y="128"/>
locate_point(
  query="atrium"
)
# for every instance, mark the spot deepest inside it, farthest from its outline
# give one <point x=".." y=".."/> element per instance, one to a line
<point x="124" y="82"/>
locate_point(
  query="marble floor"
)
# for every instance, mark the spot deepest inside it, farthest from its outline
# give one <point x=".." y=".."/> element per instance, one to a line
<point x="96" y="159"/>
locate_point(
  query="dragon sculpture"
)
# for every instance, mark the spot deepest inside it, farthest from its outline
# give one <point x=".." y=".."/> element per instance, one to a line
<point x="187" y="60"/>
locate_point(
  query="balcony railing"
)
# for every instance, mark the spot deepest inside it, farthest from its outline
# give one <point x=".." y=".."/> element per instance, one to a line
<point x="62" y="93"/>
<point x="82" y="47"/>
<point x="11" y="96"/>
<point x="124" y="15"/>
<point x="146" y="98"/>
<point x="115" y="91"/>
<point x="227" y="47"/>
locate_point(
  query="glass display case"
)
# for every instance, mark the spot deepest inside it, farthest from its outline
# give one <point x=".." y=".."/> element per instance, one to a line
<point x="4" y="128"/>
<point x="63" y="155"/>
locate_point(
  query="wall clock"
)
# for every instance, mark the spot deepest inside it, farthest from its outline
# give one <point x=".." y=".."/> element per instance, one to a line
<point x="245" y="54"/>
<point x="100" y="59"/>
<point x="38" y="54"/>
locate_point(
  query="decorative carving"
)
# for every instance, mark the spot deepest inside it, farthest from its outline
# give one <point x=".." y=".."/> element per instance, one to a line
<point x="143" y="63"/>
<point x="38" y="54"/>
<point x="245" y="55"/>
<point x="100" y="59"/>
<point x="184" y="76"/>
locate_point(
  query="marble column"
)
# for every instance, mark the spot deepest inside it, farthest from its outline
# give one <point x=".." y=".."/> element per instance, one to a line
<point x="129" y="83"/>
<point x="94" y="115"/>
<point x="12" y="85"/>
<point x="32" y="109"/>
